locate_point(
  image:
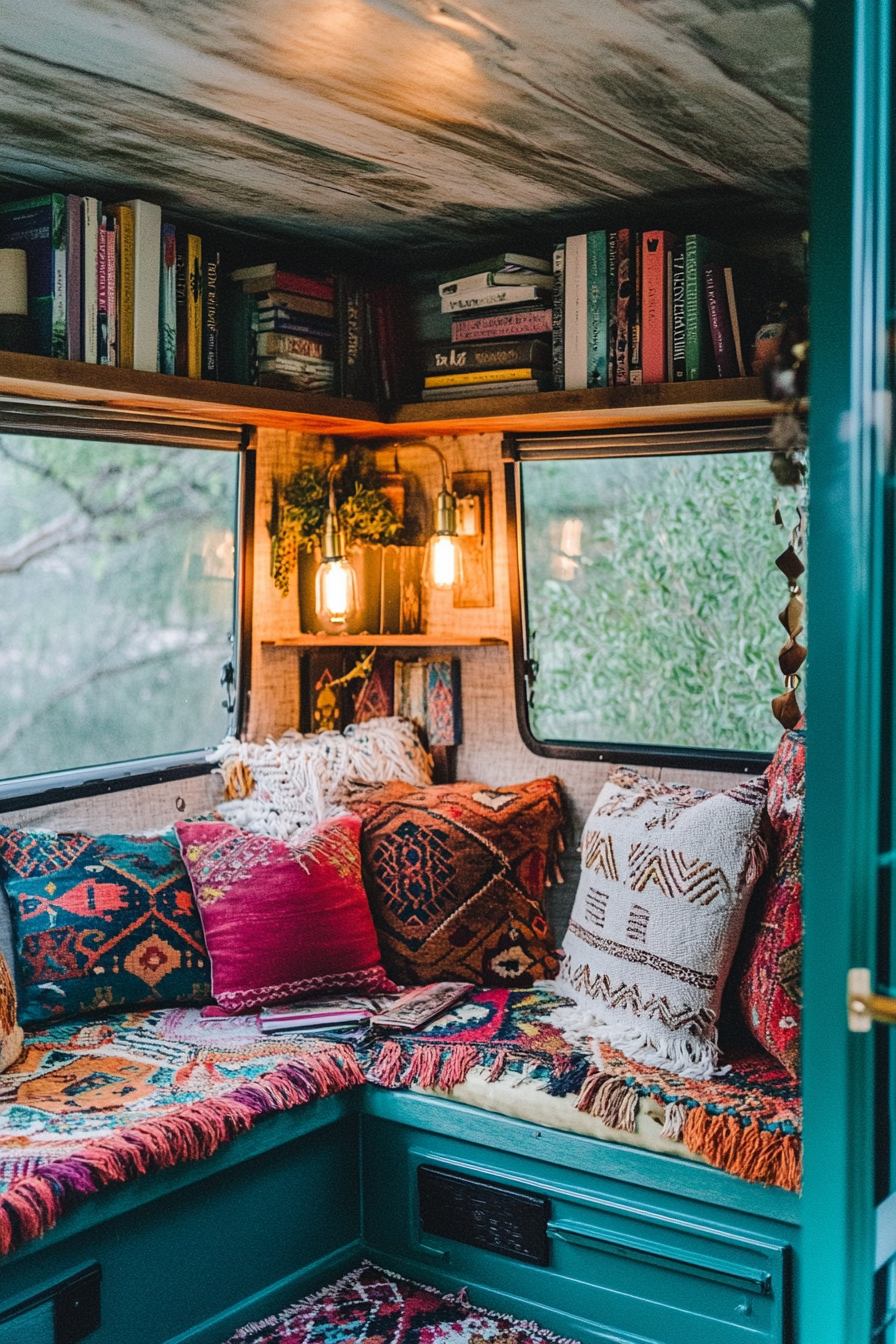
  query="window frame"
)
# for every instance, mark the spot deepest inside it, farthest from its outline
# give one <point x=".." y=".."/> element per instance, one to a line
<point x="690" y="758"/>
<point x="64" y="422"/>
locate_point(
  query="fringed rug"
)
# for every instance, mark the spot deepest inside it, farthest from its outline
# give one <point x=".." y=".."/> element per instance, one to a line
<point x="747" y="1121"/>
<point x="372" y="1306"/>
<point x="503" y="1030"/>
<point x="89" y="1103"/>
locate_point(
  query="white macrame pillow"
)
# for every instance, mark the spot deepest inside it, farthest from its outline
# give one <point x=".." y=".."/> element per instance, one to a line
<point x="667" y="872"/>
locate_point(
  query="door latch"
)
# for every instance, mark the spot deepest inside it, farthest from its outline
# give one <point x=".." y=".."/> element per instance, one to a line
<point x="862" y="1006"/>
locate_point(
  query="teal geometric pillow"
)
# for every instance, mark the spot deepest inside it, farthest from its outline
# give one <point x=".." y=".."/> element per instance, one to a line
<point x="104" y="921"/>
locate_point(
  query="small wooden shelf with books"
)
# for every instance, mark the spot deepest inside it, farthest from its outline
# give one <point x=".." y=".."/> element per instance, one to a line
<point x="43" y="379"/>
<point x="425" y="641"/>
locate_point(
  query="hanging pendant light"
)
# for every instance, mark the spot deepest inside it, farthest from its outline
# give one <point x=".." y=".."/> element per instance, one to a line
<point x="335" y="589"/>
<point x="444" y="551"/>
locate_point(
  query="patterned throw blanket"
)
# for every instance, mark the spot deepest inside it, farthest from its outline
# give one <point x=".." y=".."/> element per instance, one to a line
<point x="92" y="1102"/>
<point x="746" y="1121"/>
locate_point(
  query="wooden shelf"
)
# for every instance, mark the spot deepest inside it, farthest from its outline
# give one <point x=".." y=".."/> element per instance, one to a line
<point x="385" y="641"/>
<point x="44" y="379"/>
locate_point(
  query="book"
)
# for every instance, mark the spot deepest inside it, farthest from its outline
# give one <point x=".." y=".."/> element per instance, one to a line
<point x="735" y="322"/>
<point x="90" y="270"/>
<point x="488" y="355"/>
<point x="297" y="303"/>
<point x="575" y="312"/>
<point x="721" y="334"/>
<point x="194" y="306"/>
<point x="281" y="343"/>
<point x="635" y="371"/>
<point x="123" y="215"/>
<point x="38" y="227"/>
<point x="147" y="266"/>
<point x="654" y="251"/>
<point x="486" y="389"/>
<point x="495" y="296"/>
<point x="500" y="326"/>
<point x="700" y="361"/>
<point x="597" y="309"/>
<point x="112" y="323"/>
<point x="181" y="286"/>
<point x="612" y="285"/>
<point x="621" y="299"/>
<point x="256" y="279"/>
<point x="557" y="316"/>
<point x="678" y="365"/>
<point x="292" y="323"/>
<point x="336" y="1010"/>
<point x="413" y="1009"/>
<point x="486" y="279"/>
<point x="102" y="293"/>
<point x="503" y="261"/>
<point x="168" y="300"/>
<point x="480" y="376"/>
<point x="73" y="262"/>
<point x="211" y="336"/>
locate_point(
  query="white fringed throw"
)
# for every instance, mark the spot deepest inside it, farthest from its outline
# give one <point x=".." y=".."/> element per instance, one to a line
<point x="302" y="778"/>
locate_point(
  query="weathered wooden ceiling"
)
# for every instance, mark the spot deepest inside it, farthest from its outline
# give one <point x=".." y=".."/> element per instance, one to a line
<point x="411" y="125"/>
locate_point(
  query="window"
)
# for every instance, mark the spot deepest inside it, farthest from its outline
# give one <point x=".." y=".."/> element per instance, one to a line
<point x="649" y="596"/>
<point x="117" y="600"/>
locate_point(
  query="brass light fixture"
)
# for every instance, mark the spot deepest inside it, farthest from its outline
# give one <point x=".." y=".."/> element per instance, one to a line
<point x="335" y="589"/>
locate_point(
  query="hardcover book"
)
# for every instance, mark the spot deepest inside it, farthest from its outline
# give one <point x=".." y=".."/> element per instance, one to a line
<point x="635" y="370"/>
<point x="503" y="261"/>
<point x="102" y="294"/>
<point x="487" y="279"/>
<point x="90" y="270"/>
<point x="575" y="312"/>
<point x="522" y="388"/>
<point x="292" y="323"/>
<point x="112" y="323"/>
<point x="147" y="266"/>
<point x="698" y="251"/>
<point x="623" y="309"/>
<point x="211" y="328"/>
<point x="678" y="317"/>
<point x="495" y="296"/>
<point x="473" y="355"/>
<point x="38" y="227"/>
<point x="181" y="305"/>
<point x="123" y="215"/>
<point x="598" y="309"/>
<point x="168" y="300"/>
<point x="612" y="284"/>
<point x="557" y="317"/>
<point x="281" y="343"/>
<point x="194" y="306"/>
<point x="654" y="336"/>
<point x="500" y="326"/>
<point x="73" y="258"/>
<point x="721" y="332"/>
<point x="257" y="279"/>
<point x="471" y="376"/>
<point x="296" y="303"/>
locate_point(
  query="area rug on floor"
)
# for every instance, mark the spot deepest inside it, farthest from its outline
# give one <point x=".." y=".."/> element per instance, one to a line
<point x="372" y="1306"/>
<point x="95" y="1101"/>
<point x="746" y="1121"/>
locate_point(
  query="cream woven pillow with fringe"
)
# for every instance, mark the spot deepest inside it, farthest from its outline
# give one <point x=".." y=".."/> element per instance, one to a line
<point x="667" y="872"/>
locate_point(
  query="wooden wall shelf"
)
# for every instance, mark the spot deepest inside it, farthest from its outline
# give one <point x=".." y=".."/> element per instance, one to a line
<point x="385" y="641"/>
<point x="43" y="379"/>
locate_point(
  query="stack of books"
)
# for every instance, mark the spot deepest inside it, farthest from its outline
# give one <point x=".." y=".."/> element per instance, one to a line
<point x="652" y="307"/>
<point x="111" y="284"/>
<point x="288" y="329"/>
<point x="502" y="311"/>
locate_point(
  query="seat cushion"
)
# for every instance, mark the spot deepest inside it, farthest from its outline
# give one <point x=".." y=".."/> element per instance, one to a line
<point x="100" y="922"/>
<point x="770" y="987"/>
<point x="456" y="875"/>
<point x="282" y="920"/>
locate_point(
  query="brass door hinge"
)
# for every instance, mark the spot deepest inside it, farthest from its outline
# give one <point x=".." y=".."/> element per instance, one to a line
<point x="862" y="1006"/>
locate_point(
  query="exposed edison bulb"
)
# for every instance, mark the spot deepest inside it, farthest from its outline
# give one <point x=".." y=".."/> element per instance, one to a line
<point x="444" y="562"/>
<point x="336" y="596"/>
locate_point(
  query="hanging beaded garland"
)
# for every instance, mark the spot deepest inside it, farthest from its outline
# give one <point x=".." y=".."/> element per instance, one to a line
<point x="789" y="467"/>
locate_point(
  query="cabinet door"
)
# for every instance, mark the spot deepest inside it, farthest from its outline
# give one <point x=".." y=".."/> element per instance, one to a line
<point x="850" y="841"/>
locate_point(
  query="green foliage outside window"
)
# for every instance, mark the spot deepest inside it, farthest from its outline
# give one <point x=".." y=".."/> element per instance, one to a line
<point x="653" y="597"/>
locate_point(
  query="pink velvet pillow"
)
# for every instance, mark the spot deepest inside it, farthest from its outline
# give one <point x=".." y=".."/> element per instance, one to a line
<point x="282" y="920"/>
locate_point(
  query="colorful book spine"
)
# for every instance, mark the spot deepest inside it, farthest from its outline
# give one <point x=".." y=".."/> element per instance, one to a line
<point x="612" y="282"/>
<point x="147" y="265"/>
<point x="557" y="316"/>
<point x="294" y="324"/>
<point x="635" y="371"/>
<point x="113" y="330"/>
<point x="575" y="313"/>
<point x="735" y="322"/>
<point x="598" y="309"/>
<point x="257" y="279"/>
<point x="296" y="303"/>
<point x="490" y="279"/>
<point x="482" y="376"/>
<point x="698" y="251"/>
<point x="513" y="354"/>
<point x="73" y="251"/>
<point x="654" y="253"/>
<point x="278" y="343"/>
<point x="721" y="333"/>
<point x="194" y="306"/>
<point x="182" y="285"/>
<point x="520" y="387"/>
<point x="102" y="294"/>
<point x="678" y="317"/>
<point x="38" y="227"/>
<point x="123" y="215"/>
<point x="90" y="258"/>
<point x="495" y="297"/>
<point x="168" y="301"/>
<point x="621" y="294"/>
<point x="211" y="328"/>
<point x="501" y="326"/>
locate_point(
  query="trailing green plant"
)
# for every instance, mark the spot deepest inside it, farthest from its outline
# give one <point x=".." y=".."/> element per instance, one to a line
<point x="365" y="515"/>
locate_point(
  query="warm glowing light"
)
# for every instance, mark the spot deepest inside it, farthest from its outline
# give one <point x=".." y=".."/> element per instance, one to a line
<point x="444" y="562"/>
<point x="335" y="592"/>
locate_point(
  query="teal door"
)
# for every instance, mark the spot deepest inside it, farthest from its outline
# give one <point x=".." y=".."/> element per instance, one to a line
<point x="849" y="1246"/>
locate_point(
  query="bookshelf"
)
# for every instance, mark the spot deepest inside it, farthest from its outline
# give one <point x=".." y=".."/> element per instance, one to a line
<point x="43" y="379"/>
<point x="424" y="641"/>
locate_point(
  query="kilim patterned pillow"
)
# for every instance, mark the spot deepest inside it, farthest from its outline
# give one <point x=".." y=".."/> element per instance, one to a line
<point x="105" y="921"/>
<point x="282" y="919"/>
<point x="770" y="986"/>
<point x="666" y="875"/>
<point x="456" y="876"/>
<point x="11" y="1034"/>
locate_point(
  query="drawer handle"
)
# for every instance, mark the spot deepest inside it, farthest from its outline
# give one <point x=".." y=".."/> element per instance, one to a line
<point x="636" y="1248"/>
